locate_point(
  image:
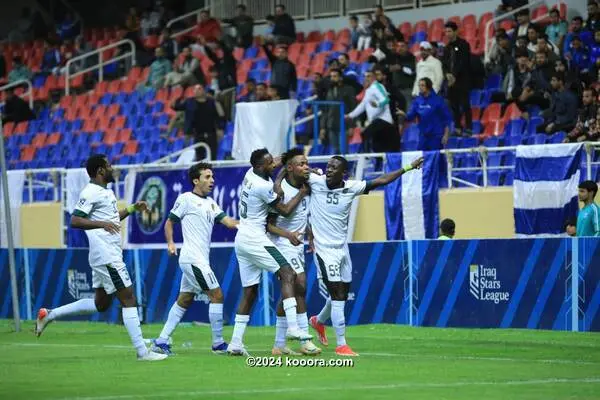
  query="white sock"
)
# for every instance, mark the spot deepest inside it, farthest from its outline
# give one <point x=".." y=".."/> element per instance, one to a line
<point x="303" y="322"/>
<point x="280" y="331"/>
<point x="79" y="307"/>
<point x="177" y="312"/>
<point x="338" y="321"/>
<point x="289" y="306"/>
<point x="215" y="316"/>
<point x="132" y="323"/>
<point x="325" y="313"/>
<point x="241" y="321"/>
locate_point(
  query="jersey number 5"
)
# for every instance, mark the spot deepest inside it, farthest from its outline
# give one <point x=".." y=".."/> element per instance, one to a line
<point x="333" y="198"/>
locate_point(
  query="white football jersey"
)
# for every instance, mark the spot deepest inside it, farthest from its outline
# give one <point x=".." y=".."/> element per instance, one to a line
<point x="330" y="210"/>
<point x="198" y="216"/>
<point x="255" y="200"/>
<point x="297" y="220"/>
<point x="100" y="204"/>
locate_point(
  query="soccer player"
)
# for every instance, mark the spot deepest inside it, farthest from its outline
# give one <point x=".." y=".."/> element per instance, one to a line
<point x="287" y="233"/>
<point x="331" y="199"/>
<point x="97" y="214"/>
<point x="588" y="219"/>
<point x="256" y="252"/>
<point x="197" y="213"/>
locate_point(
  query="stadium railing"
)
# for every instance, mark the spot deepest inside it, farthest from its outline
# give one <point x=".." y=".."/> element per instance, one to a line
<point x="101" y="61"/>
<point x="488" y="34"/>
<point x="20" y="83"/>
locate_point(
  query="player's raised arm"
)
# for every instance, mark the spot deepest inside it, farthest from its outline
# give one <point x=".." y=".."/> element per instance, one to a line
<point x="289" y="207"/>
<point x="392" y="176"/>
<point x="132" y="208"/>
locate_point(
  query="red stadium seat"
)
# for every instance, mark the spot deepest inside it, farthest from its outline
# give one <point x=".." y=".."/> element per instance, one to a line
<point x="8" y="128"/>
<point x="314" y="36"/>
<point x="39" y="140"/>
<point x="99" y="112"/>
<point x="114" y="86"/>
<point x="21" y="128"/>
<point x="110" y="137"/>
<point x="310" y="47"/>
<point x="28" y="153"/>
<point x="124" y="136"/>
<point x="118" y="122"/>
<point x="491" y="113"/>
<point x="511" y="112"/>
<point x="128" y="86"/>
<point x="130" y="148"/>
<point x="89" y="125"/>
<point x="329" y="36"/>
<point x="113" y="110"/>
<point x="53" y="139"/>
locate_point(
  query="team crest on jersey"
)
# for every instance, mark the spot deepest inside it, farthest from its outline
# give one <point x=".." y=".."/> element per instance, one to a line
<point x="154" y="193"/>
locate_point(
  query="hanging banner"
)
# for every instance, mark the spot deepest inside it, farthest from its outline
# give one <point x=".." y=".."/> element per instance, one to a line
<point x="160" y="190"/>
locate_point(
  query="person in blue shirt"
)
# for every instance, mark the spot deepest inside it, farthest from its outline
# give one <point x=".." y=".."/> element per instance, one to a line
<point x="578" y="55"/>
<point x="588" y="219"/>
<point x="434" y="117"/>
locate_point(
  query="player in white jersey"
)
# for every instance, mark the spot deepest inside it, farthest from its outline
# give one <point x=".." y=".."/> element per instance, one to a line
<point x="256" y="252"/>
<point x="97" y="213"/>
<point x="287" y="234"/>
<point x="197" y="213"/>
<point x="331" y="200"/>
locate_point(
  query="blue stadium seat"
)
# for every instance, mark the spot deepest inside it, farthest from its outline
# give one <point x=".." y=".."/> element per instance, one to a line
<point x="513" y="140"/>
<point x="493" y="82"/>
<point x="410" y="145"/>
<point x="477" y="127"/>
<point x="324" y="46"/>
<point x="508" y="158"/>
<point x="149" y="95"/>
<point x="508" y="177"/>
<point x="157" y="107"/>
<point x="467" y="143"/>
<point x="260" y="64"/>
<point x="534" y="122"/>
<point x="411" y="133"/>
<point x="515" y="127"/>
<point x="475" y="97"/>
<point x="251" y="52"/>
<point x="494" y="159"/>
<point x="558" y="137"/>
<point x="453" y="142"/>
<point x="255" y="74"/>
<point x="493" y="141"/>
<point x="106" y="99"/>
<point x="470" y="160"/>
<point x="494" y="177"/>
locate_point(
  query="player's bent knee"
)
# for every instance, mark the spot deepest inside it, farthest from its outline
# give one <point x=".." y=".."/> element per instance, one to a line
<point x="185" y="300"/>
<point x="215" y="296"/>
<point x="287" y="274"/>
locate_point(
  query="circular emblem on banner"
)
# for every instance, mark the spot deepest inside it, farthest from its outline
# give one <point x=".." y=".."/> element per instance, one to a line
<point x="154" y="193"/>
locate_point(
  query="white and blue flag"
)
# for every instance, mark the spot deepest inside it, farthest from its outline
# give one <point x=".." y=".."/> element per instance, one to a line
<point x="545" y="187"/>
<point x="412" y="202"/>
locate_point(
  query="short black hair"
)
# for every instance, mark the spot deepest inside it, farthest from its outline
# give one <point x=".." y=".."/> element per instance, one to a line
<point x="570" y="222"/>
<point x="335" y="70"/>
<point x="270" y="17"/>
<point x="257" y="156"/>
<point x="205" y="11"/>
<point x="196" y="169"/>
<point x="577" y="18"/>
<point x="521" y="53"/>
<point x="555" y="11"/>
<point x="559" y="76"/>
<point x="590" y="89"/>
<point x="241" y="7"/>
<point x="523" y="12"/>
<point x="250" y="80"/>
<point x="290" y="154"/>
<point x="448" y="227"/>
<point x="261" y="84"/>
<point x="280" y="6"/>
<point x="94" y="163"/>
<point x="452" y="25"/>
<point x="345" y="55"/>
<point x="379" y="6"/>
<point x="428" y="83"/>
<point x="590" y="186"/>
<point x="353" y="18"/>
<point x="17" y="60"/>
<point x="343" y="161"/>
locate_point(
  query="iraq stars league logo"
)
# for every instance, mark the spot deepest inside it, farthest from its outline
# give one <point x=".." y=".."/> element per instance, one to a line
<point x="154" y="193"/>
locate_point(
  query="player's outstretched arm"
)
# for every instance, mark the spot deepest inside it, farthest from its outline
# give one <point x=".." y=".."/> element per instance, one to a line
<point x="81" y="222"/>
<point x="171" y="248"/>
<point x="132" y="208"/>
<point x="278" y="179"/>
<point x="230" y="222"/>
<point x="392" y="176"/>
<point x="289" y="207"/>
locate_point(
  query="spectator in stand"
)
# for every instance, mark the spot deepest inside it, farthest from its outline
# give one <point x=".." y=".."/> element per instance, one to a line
<point x="402" y="67"/>
<point x="571" y="227"/>
<point x="523" y="23"/>
<point x="532" y="37"/>
<point x="562" y="115"/>
<point x="456" y="62"/>
<point x="274" y="93"/>
<point x="168" y="44"/>
<point x="493" y="48"/>
<point x="224" y="67"/>
<point x="537" y="91"/>
<point x="585" y="120"/>
<point x="381" y="131"/>
<point x="19" y="72"/>
<point x="201" y="120"/>
<point x="516" y="79"/>
<point x="509" y="5"/>
<point x="381" y="17"/>
<point x="447" y="229"/>
<point x="572" y="78"/>
<point x="365" y="33"/>
<point x="16" y="109"/>
<point x="320" y="86"/>
<point x="384" y="23"/>
<point x="397" y="100"/>
<point x="187" y="71"/>
<point x="501" y="58"/>
<point x="285" y="28"/>
<point x="349" y="76"/>
<point x="557" y="29"/>
<point x="51" y="59"/>
<point x="132" y="23"/>
<point x="434" y="117"/>
<point x="69" y="28"/>
<point x="23" y="27"/>
<point x="250" y="95"/>
<point x="429" y="67"/>
<point x="244" y="27"/>
<point x="578" y="56"/>
<point x="354" y="31"/>
<point x="269" y="37"/>
<point x="576" y="30"/>
<point x="593" y="22"/>
<point x="208" y="27"/>
<point x="330" y="120"/>
<point x="159" y="69"/>
<point x="261" y="92"/>
<point x="521" y="45"/>
<point x="157" y="18"/>
<point x="145" y="24"/>
<point x="283" y="71"/>
<point x="543" y="44"/>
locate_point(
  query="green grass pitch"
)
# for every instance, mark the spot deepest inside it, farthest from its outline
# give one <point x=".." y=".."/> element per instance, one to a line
<point x="95" y="361"/>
